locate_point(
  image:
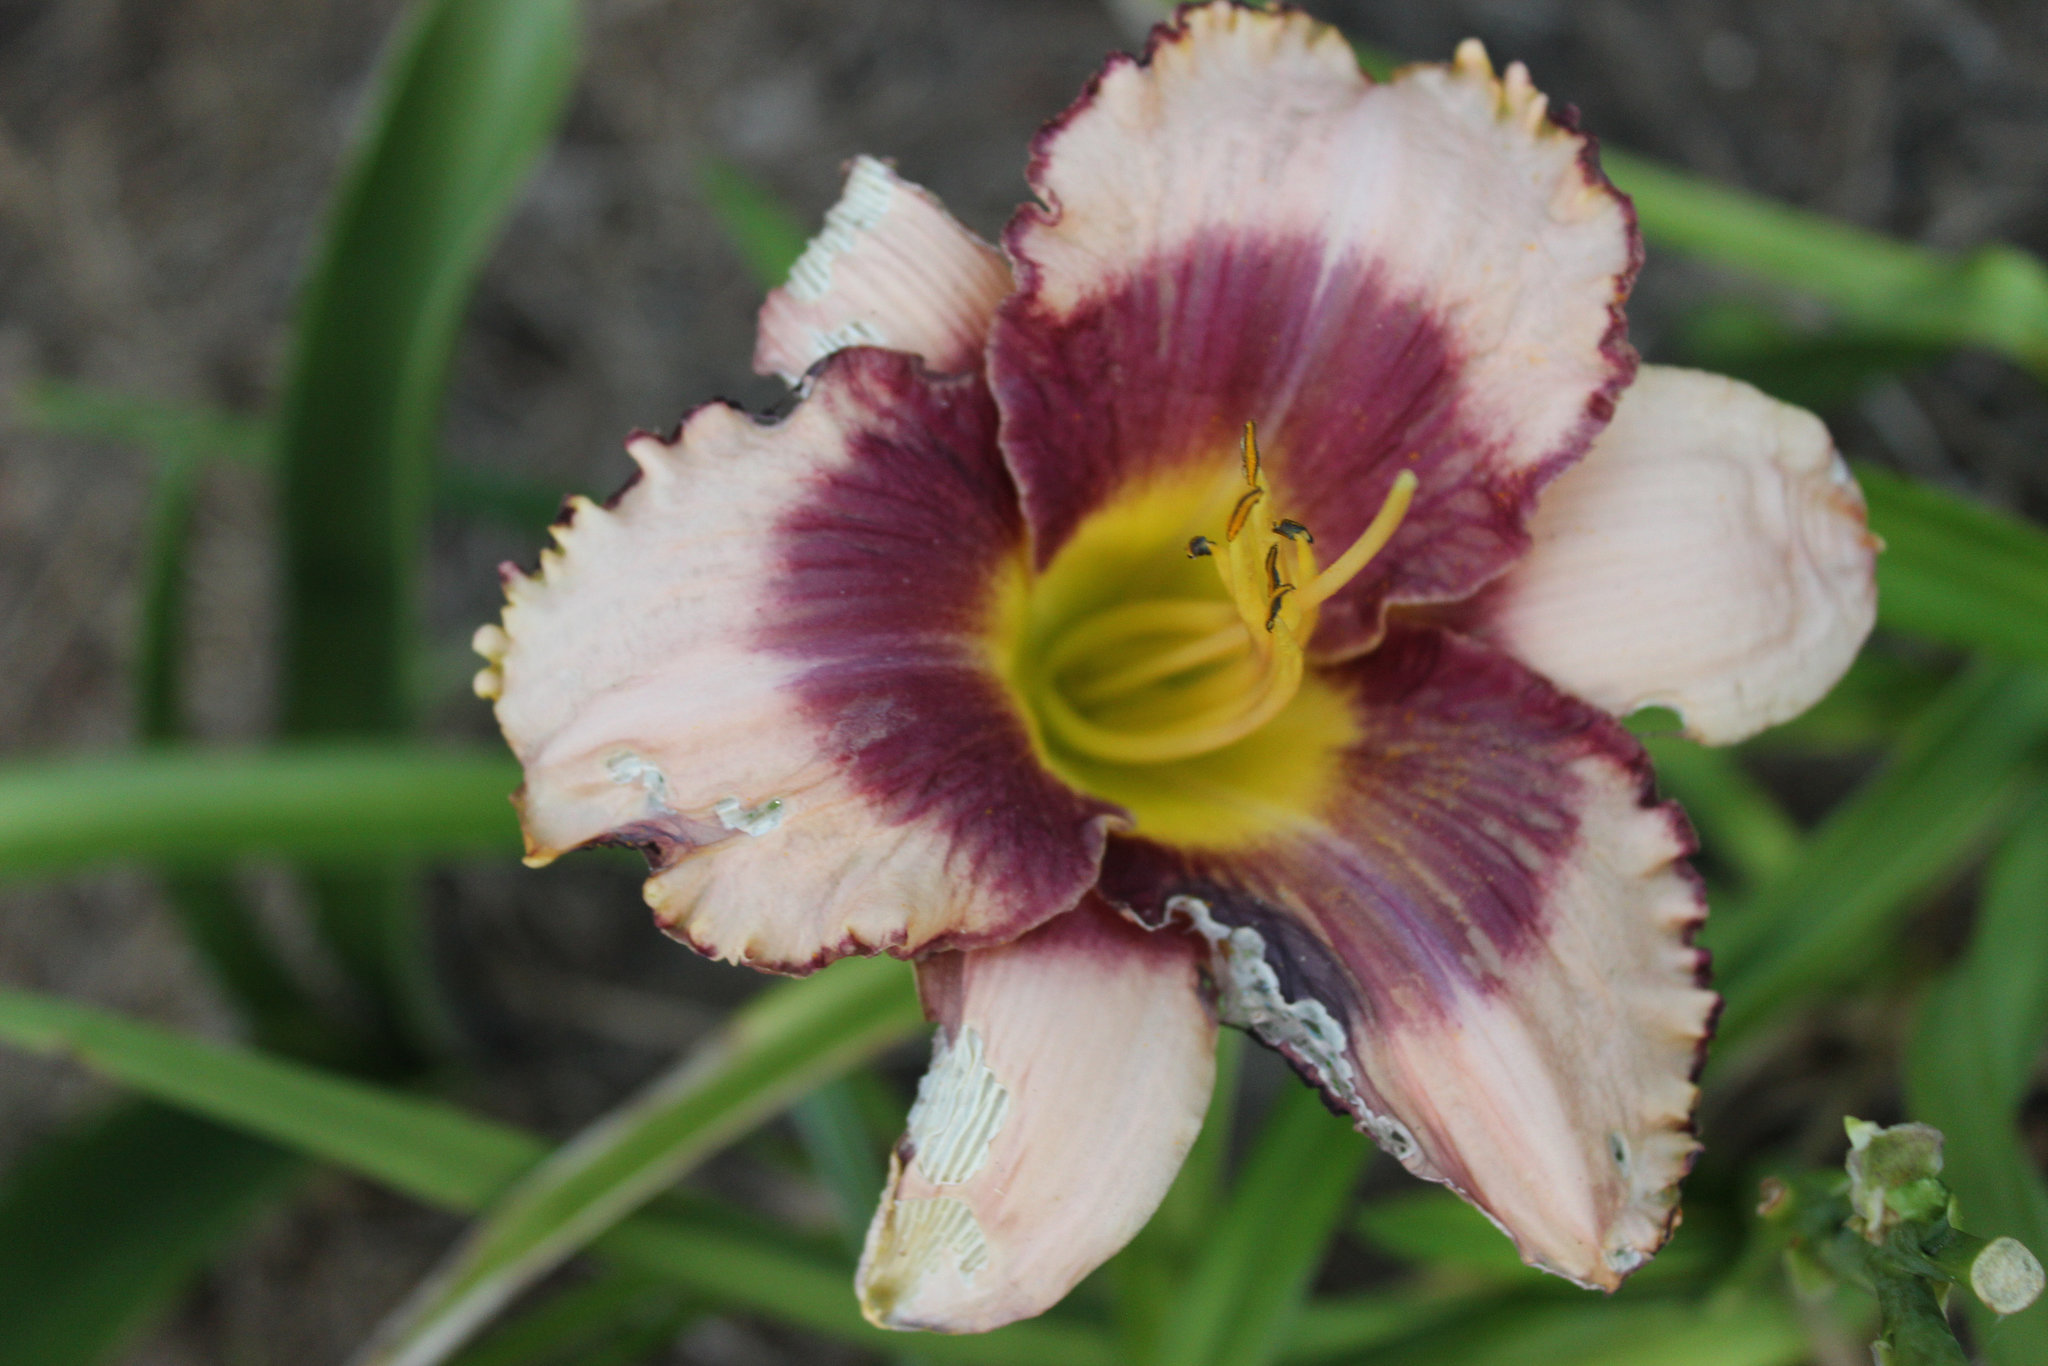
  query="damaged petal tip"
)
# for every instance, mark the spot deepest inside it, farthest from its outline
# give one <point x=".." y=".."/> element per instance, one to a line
<point x="918" y="1248"/>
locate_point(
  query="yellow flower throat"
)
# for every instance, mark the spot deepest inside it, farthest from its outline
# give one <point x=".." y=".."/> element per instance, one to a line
<point x="1155" y="680"/>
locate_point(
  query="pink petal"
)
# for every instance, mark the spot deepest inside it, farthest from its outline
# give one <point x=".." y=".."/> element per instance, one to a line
<point x="1421" y="275"/>
<point x="1481" y="947"/>
<point x="1710" y="555"/>
<point x="891" y="268"/>
<point x="1068" y="1080"/>
<point x="765" y="666"/>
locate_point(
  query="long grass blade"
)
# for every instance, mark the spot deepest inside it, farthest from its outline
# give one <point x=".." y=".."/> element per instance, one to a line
<point x="1240" y="1303"/>
<point x="1971" y="1059"/>
<point x="1877" y="701"/>
<point x="428" y="1149"/>
<point x="1344" y="1328"/>
<point x="1593" y="1332"/>
<point x="103" y="1222"/>
<point x="456" y="1161"/>
<point x="1740" y="823"/>
<point x="764" y="232"/>
<point x="468" y="97"/>
<point x="215" y="917"/>
<point x="574" y="1325"/>
<point x="1953" y="782"/>
<point x="200" y="808"/>
<point x="1823" y="369"/>
<point x="1148" y="1275"/>
<point x="174" y="431"/>
<point x="168" y="430"/>
<point x="1957" y="572"/>
<point x="216" y="920"/>
<point x="1995" y="298"/>
<point x="843" y="1153"/>
<point x="747" y="1275"/>
<point x="772" y="1052"/>
<point x="1435" y="1231"/>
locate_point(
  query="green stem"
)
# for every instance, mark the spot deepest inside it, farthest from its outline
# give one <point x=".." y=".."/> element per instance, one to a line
<point x="1914" y="1330"/>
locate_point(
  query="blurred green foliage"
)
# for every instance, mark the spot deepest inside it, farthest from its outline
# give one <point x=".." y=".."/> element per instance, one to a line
<point x="104" y="1221"/>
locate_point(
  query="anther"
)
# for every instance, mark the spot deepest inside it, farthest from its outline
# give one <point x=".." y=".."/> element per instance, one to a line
<point x="1251" y="453"/>
<point x="1200" y="546"/>
<point x="1273" y="579"/>
<point x="1292" y="530"/>
<point x="1242" y="513"/>
<point x="1273" y="607"/>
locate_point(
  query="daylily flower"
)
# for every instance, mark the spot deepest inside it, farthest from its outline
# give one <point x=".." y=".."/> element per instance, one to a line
<point x="1214" y="606"/>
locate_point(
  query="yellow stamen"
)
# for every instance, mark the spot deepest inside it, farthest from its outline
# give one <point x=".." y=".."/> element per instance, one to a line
<point x="1369" y="543"/>
<point x="1168" y="679"/>
<point x="1185" y="740"/>
<point x="1219" y="644"/>
<point x="1107" y="632"/>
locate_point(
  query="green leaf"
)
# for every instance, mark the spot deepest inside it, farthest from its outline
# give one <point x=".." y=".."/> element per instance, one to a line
<point x="1951" y="785"/>
<point x="764" y="232"/>
<point x="833" y="1126"/>
<point x="1239" y="1303"/>
<point x="468" y="97"/>
<point x="1957" y="572"/>
<point x="744" y="1274"/>
<point x="1995" y="298"/>
<point x="1352" y="1324"/>
<point x="1821" y="370"/>
<point x="426" y="1148"/>
<point x="210" y="909"/>
<point x="1147" y="1276"/>
<point x="456" y="1161"/>
<point x="1434" y="1229"/>
<point x="244" y="965"/>
<point x="335" y="804"/>
<point x="172" y="431"/>
<point x="1875" y="702"/>
<point x="193" y="434"/>
<point x="575" y="1325"/>
<point x="774" y="1049"/>
<point x="1589" y="1331"/>
<point x="522" y="504"/>
<point x="2003" y="976"/>
<point x="1739" y="821"/>
<point x="158" y="695"/>
<point x="102" y="1222"/>
<point x="1970" y="1060"/>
